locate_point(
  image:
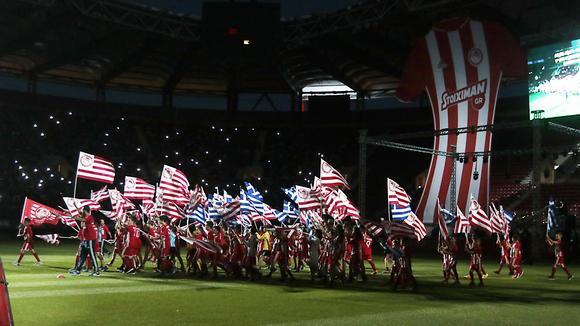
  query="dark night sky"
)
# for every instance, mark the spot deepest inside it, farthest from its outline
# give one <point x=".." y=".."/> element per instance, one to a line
<point x="289" y="8"/>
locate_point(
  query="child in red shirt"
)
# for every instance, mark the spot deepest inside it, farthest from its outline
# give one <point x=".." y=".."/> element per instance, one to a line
<point x="25" y="231"/>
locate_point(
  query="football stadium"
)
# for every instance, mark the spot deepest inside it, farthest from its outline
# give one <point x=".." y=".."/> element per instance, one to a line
<point x="219" y="162"/>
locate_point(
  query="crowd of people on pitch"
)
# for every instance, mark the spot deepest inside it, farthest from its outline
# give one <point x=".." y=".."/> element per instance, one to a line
<point x="334" y="252"/>
<point x="511" y="256"/>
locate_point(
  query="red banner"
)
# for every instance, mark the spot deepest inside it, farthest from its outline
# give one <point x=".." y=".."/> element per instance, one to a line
<point x="39" y="214"/>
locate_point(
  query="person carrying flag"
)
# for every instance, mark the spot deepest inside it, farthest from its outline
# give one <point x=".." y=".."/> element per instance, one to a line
<point x="452" y="252"/>
<point x="25" y="231"/>
<point x="559" y="255"/>
<point x="103" y="234"/>
<point x="251" y="255"/>
<point x="504" y="244"/>
<point x="516" y="257"/>
<point x="89" y="236"/>
<point x="473" y="247"/>
<point x="368" y="251"/>
<point x="314" y="239"/>
<point x="265" y="244"/>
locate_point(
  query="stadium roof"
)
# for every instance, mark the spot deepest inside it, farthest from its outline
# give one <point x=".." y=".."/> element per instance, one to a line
<point x="124" y="45"/>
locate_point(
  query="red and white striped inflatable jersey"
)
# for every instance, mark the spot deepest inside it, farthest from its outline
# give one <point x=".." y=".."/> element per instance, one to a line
<point x="460" y="63"/>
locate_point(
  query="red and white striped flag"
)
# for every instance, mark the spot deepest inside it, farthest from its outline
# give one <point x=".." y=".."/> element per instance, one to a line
<point x="39" y="214"/>
<point x="139" y="189"/>
<point x="196" y="197"/>
<point x="174" y="212"/>
<point x="305" y="201"/>
<point x="374" y="228"/>
<point x="255" y="217"/>
<point x="399" y="229"/>
<point x="95" y="168"/>
<point x="497" y="221"/>
<point x="461" y="223"/>
<point x="397" y="195"/>
<point x="148" y="208"/>
<point x="506" y="224"/>
<point x="341" y="207"/>
<point x="229" y="210"/>
<point x="443" y="232"/>
<point x="478" y="217"/>
<point x="49" y="238"/>
<point x="74" y="205"/>
<point x="100" y="195"/>
<point x="418" y="227"/>
<point x="110" y="214"/>
<point x="175" y="185"/>
<point x="118" y="199"/>
<point x="330" y="177"/>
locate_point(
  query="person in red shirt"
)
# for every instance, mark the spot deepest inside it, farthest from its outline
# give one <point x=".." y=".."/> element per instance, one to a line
<point x="368" y="251"/>
<point x="453" y="251"/>
<point x="164" y="264"/>
<point x="119" y="245"/>
<point x="151" y="252"/>
<point x="559" y="254"/>
<point x="474" y="249"/>
<point x="504" y="244"/>
<point x="133" y="246"/>
<point x="516" y="257"/>
<point x="89" y="235"/>
<point x="25" y="231"/>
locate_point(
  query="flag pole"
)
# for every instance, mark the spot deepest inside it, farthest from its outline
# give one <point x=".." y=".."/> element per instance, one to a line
<point x="23" y="207"/>
<point x="76" y="179"/>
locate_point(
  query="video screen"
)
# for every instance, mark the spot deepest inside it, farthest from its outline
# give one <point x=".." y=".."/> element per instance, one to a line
<point x="554" y="80"/>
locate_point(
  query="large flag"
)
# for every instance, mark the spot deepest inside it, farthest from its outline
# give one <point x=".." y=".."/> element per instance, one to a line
<point x="330" y="177"/>
<point x="289" y="211"/>
<point x="100" y="195"/>
<point x="341" y="207"/>
<point x="461" y="223"/>
<point x="399" y="229"/>
<point x="148" y="208"/>
<point x="39" y="214"/>
<point x="95" y="168"/>
<point x="291" y="193"/>
<point x="400" y="213"/>
<point x="49" y="238"/>
<point x="418" y="227"/>
<point x="139" y="189"/>
<point x="507" y="219"/>
<point x="253" y="192"/>
<point x="374" y="228"/>
<point x="199" y="216"/>
<point x="478" y="217"/>
<point x="175" y="185"/>
<point x="305" y="201"/>
<point x="397" y="195"/>
<point x="118" y="199"/>
<point x="174" y="212"/>
<point x="552" y="222"/>
<point x="443" y="232"/>
<point x="197" y="198"/>
<point x="74" y="205"/>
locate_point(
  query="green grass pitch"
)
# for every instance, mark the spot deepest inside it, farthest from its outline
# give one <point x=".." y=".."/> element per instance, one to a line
<point x="39" y="297"/>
